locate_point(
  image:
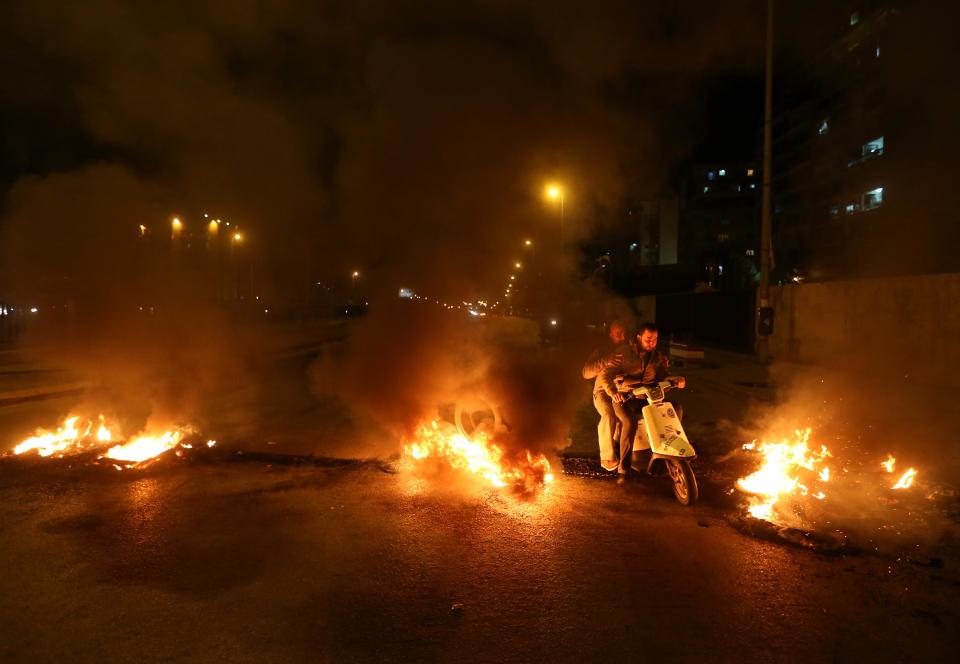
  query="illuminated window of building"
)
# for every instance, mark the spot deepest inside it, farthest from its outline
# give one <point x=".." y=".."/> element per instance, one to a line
<point x="824" y="127"/>
<point x="711" y="175"/>
<point x="872" y="199"/>
<point x="869" y="149"/>
<point x="749" y="172"/>
<point x="753" y="185"/>
<point x="854" y="18"/>
<point x="723" y="172"/>
<point x="852" y="208"/>
<point x="872" y="148"/>
<point x="878" y="50"/>
<point x="834" y="210"/>
<point x="723" y="237"/>
<point x="706" y="189"/>
<point x="751" y="252"/>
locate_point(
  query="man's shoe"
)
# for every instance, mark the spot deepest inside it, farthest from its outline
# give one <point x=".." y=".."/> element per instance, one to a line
<point x="610" y="465"/>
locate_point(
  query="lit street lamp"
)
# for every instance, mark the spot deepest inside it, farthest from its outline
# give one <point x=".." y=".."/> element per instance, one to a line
<point x="176" y="226"/>
<point x="529" y="246"/>
<point x="555" y="193"/>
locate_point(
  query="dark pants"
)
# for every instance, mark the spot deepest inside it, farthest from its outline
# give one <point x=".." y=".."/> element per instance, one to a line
<point x="629" y="414"/>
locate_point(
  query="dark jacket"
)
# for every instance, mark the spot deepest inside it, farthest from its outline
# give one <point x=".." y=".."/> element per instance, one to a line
<point x="648" y="367"/>
<point x="599" y="360"/>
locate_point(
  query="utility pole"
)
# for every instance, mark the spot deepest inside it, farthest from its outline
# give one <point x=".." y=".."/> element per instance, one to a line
<point x="763" y="293"/>
<point x="561" y="220"/>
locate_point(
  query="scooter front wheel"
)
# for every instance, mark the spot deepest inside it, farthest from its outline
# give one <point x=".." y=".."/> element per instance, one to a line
<point x="685" y="487"/>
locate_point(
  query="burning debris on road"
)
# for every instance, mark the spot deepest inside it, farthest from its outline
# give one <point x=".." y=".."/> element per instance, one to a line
<point x="479" y="455"/>
<point x="784" y="463"/>
<point x="810" y="495"/>
<point x="96" y="437"/>
<point x="791" y="471"/>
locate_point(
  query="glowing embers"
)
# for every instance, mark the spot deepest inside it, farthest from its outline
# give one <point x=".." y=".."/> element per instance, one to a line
<point x="479" y="456"/>
<point x="79" y="436"/>
<point x="789" y="467"/>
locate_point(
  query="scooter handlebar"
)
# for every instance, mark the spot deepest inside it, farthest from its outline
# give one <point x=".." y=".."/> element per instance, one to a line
<point x="635" y="387"/>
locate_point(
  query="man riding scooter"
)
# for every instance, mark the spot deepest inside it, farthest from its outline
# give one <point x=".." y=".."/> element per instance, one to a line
<point x="642" y="363"/>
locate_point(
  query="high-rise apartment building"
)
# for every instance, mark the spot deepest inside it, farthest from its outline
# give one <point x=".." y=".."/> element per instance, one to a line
<point x="864" y="140"/>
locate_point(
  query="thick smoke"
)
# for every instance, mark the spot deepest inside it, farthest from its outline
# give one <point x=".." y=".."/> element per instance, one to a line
<point x="408" y="363"/>
<point x="134" y="316"/>
<point x="410" y="141"/>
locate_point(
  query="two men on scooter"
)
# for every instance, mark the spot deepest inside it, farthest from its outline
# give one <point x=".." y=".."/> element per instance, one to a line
<point x="642" y="362"/>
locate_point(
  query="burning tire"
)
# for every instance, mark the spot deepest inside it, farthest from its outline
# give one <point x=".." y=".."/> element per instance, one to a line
<point x="477" y="415"/>
<point x="685" y="487"/>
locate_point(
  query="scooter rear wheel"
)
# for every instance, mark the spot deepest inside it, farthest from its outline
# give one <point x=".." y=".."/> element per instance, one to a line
<point x="685" y="488"/>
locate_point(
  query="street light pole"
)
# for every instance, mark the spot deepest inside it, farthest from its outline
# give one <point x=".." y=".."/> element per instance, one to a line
<point x="763" y="293"/>
<point x="236" y="239"/>
<point x="561" y="218"/>
<point x="557" y="193"/>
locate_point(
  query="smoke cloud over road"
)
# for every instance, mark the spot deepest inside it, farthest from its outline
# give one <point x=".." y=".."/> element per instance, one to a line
<point x="410" y="141"/>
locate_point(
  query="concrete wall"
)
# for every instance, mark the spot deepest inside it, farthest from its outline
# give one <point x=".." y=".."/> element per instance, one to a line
<point x="913" y="321"/>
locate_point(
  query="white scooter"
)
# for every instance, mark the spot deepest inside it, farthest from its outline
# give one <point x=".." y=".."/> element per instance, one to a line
<point x="665" y="437"/>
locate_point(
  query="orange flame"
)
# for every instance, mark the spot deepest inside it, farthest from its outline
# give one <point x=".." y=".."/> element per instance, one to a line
<point x="779" y="474"/>
<point x="906" y="480"/>
<point x="103" y="433"/>
<point x="479" y="456"/>
<point x="73" y="438"/>
<point x="790" y="469"/>
<point x="67" y="439"/>
<point x="145" y="447"/>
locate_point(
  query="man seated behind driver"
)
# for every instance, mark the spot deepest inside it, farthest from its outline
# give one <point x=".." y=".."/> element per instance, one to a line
<point x="641" y="360"/>
<point x="602" y="358"/>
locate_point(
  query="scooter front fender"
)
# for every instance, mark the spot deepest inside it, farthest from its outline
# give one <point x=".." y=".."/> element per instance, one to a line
<point x="665" y="432"/>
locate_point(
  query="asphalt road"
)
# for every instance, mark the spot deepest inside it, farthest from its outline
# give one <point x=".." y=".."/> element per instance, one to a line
<point x="244" y="561"/>
<point x="239" y="559"/>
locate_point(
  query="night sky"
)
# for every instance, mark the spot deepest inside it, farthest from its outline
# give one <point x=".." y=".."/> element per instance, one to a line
<point x="411" y="140"/>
